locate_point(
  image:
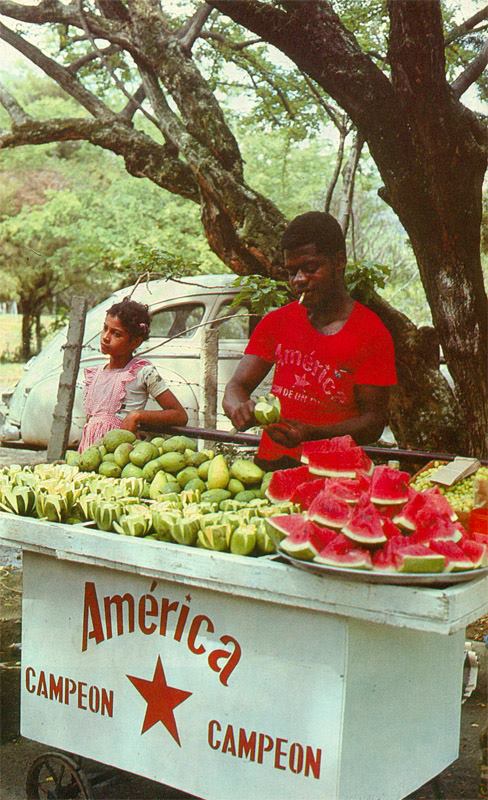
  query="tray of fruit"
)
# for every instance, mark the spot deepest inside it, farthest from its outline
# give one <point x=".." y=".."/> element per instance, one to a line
<point x="370" y="523"/>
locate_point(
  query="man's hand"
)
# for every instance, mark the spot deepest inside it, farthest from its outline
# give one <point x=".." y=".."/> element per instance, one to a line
<point x="288" y="432"/>
<point x="242" y="415"/>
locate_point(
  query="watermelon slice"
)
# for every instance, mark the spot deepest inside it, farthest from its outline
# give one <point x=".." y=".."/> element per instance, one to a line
<point x="407" y="517"/>
<point x="389" y="486"/>
<point x="476" y="551"/>
<point x="437" y="500"/>
<point x="284" y="482"/>
<point x="340" y="463"/>
<point x="365" y="525"/>
<point x="327" y="509"/>
<point x="349" y="489"/>
<point x="433" y="525"/>
<point x="284" y="525"/>
<point x="418" y="558"/>
<point x="307" y="540"/>
<point x="389" y="528"/>
<point x="337" y="443"/>
<point x="456" y="558"/>
<point x="337" y="556"/>
<point x="307" y="491"/>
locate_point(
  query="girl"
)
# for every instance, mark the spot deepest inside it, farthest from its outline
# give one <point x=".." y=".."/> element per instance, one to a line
<point x="115" y="394"/>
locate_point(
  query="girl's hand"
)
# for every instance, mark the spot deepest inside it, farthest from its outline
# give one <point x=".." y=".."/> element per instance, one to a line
<point x="130" y="422"/>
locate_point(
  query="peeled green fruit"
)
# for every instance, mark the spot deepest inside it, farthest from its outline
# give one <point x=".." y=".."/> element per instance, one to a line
<point x="246" y="471"/>
<point x="243" y="540"/>
<point x="267" y="409"/>
<point x="218" y="473"/>
<point x="215" y="495"/>
<point x="121" y="453"/>
<point x="185" y="475"/>
<point x="90" y="459"/>
<point x="150" y="470"/>
<point x="172" y="462"/>
<point x="264" y="543"/>
<point x="109" y="469"/>
<point x="113" y="438"/>
<point x="72" y="457"/>
<point x="178" y="444"/>
<point x="157" y="484"/>
<point x="143" y="452"/>
<point x="131" y="471"/>
<point x="234" y="486"/>
<point x="203" y="470"/>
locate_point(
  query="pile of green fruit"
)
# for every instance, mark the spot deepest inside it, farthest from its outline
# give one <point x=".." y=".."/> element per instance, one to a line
<point x="163" y="489"/>
<point x="460" y="495"/>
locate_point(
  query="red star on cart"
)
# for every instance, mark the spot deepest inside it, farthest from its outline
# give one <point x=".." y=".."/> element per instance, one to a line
<point x="161" y="700"/>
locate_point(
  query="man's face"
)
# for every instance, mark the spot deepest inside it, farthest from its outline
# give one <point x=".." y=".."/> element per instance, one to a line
<point x="317" y="276"/>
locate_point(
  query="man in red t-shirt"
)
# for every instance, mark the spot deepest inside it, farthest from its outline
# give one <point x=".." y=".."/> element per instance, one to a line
<point x="333" y="357"/>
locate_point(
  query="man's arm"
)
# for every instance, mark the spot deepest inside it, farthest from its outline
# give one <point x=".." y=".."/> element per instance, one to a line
<point x="366" y="427"/>
<point x="237" y="402"/>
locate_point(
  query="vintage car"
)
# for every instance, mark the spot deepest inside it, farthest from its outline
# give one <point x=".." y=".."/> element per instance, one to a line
<point x="181" y="310"/>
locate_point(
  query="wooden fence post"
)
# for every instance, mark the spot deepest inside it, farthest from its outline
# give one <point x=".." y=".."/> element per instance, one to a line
<point x="58" y="440"/>
<point x="208" y="379"/>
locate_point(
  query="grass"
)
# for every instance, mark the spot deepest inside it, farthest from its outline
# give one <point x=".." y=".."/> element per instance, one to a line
<point x="10" y="343"/>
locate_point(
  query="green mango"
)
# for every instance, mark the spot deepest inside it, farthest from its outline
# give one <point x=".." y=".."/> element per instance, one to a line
<point x="158" y="441"/>
<point x="248" y="494"/>
<point x="194" y="459"/>
<point x="185" y="475"/>
<point x="116" y="436"/>
<point x="218" y="473"/>
<point x="234" y="486"/>
<point x="90" y="459"/>
<point x="178" y="444"/>
<point x="195" y="483"/>
<point x="151" y="469"/>
<point x="246" y="471"/>
<point x="203" y="470"/>
<point x="172" y="462"/>
<point x="157" y="484"/>
<point x="102" y="450"/>
<point x="172" y="487"/>
<point x="215" y="495"/>
<point x="121" y="453"/>
<point x="131" y="471"/>
<point x="110" y="457"/>
<point x="109" y="469"/>
<point x="72" y="457"/>
<point x="143" y="452"/>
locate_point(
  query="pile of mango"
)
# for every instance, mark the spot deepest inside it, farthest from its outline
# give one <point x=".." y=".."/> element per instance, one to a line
<point x="163" y="489"/>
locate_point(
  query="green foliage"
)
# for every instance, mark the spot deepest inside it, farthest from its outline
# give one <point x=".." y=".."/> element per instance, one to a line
<point x="366" y="277"/>
<point x="260" y="294"/>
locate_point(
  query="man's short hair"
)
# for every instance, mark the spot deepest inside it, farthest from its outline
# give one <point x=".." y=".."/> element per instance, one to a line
<point x="314" y="227"/>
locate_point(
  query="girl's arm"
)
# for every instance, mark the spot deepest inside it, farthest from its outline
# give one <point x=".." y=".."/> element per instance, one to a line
<point x="172" y="413"/>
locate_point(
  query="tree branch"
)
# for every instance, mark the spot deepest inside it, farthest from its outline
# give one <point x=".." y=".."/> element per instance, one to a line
<point x="471" y="73"/>
<point x="60" y="74"/>
<point x="144" y="158"/>
<point x="191" y="30"/>
<point x="83" y="60"/>
<point x="237" y="46"/>
<point x="467" y="26"/>
<point x="12" y="107"/>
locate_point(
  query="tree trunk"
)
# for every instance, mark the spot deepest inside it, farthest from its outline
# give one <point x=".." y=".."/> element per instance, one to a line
<point x="26" y="350"/>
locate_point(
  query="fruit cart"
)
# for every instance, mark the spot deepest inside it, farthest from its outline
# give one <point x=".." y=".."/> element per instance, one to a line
<point x="227" y="676"/>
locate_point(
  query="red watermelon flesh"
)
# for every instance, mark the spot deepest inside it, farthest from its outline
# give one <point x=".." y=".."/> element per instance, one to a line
<point x="383" y="560"/>
<point x="432" y="525"/>
<point x="286" y="524"/>
<point x="437" y="500"/>
<point x="340" y="463"/>
<point x="327" y="509"/>
<point x="337" y="443"/>
<point x="349" y="489"/>
<point x="365" y="525"/>
<point x="476" y="551"/>
<point x="389" y="528"/>
<point x="307" y="491"/>
<point x="307" y="542"/>
<point x="456" y="558"/>
<point x="284" y="482"/>
<point x="482" y="538"/>
<point x="389" y="486"/>
<point x="407" y="517"/>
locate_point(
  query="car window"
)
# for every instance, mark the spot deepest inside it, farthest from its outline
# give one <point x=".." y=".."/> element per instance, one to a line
<point x="177" y="320"/>
<point x="237" y="326"/>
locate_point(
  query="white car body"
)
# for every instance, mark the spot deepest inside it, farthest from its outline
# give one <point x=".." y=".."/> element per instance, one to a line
<point x="188" y="305"/>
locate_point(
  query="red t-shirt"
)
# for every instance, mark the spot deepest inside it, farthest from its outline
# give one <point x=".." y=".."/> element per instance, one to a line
<point x="315" y="374"/>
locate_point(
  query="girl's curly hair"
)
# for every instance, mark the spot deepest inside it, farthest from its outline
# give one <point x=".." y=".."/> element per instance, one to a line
<point x="133" y="316"/>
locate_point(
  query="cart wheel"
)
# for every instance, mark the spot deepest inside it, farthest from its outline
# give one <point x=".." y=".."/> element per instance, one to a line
<point x="54" y="776"/>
